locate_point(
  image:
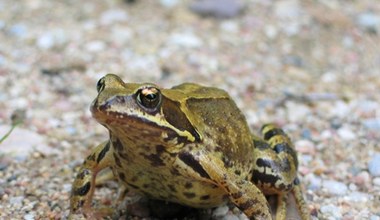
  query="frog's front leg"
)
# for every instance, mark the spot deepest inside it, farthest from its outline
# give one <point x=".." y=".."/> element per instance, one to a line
<point x="84" y="183"/>
<point x="244" y="194"/>
<point x="275" y="169"/>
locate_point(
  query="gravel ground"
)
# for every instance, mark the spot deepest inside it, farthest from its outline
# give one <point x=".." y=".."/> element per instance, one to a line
<point x="312" y="67"/>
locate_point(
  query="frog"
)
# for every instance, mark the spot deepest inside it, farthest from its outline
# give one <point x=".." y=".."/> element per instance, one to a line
<point x="189" y="145"/>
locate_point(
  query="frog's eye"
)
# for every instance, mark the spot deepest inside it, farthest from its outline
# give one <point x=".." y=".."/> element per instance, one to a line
<point x="149" y="97"/>
<point x="100" y="85"/>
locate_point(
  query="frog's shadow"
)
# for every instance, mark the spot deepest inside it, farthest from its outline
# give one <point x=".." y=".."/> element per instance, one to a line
<point x="161" y="210"/>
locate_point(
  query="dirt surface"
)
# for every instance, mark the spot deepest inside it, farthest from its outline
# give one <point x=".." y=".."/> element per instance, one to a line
<point x="313" y="67"/>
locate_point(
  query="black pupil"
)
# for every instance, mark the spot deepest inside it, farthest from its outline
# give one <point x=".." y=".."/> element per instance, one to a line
<point x="151" y="97"/>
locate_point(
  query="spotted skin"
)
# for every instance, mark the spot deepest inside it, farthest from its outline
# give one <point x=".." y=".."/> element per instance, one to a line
<point x="189" y="145"/>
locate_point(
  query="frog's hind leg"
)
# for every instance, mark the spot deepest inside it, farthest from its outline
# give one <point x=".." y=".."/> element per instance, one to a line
<point x="85" y="181"/>
<point x="275" y="169"/>
<point x="244" y="194"/>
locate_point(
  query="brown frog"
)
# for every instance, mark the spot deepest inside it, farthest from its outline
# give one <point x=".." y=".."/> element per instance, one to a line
<point x="189" y="145"/>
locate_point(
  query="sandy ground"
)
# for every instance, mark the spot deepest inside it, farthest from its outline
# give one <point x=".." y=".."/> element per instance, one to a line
<point x="310" y="66"/>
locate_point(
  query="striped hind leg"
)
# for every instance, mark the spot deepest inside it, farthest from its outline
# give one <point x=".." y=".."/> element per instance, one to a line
<point x="275" y="170"/>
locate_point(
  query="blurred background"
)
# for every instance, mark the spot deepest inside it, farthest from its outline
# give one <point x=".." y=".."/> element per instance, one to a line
<point x="311" y="66"/>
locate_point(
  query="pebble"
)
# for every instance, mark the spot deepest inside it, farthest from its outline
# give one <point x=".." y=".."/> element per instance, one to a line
<point x="66" y="187"/>
<point x="220" y="211"/>
<point x="29" y="217"/>
<point x="271" y="31"/>
<point x="329" y="77"/>
<point x="374" y="165"/>
<point x="305" y="146"/>
<point x="287" y="9"/>
<point x="326" y="134"/>
<point x="374" y="217"/>
<point x="376" y="181"/>
<point x="187" y="40"/>
<point x="16" y="201"/>
<point x="21" y="143"/>
<point x="340" y="109"/>
<point x="230" y="217"/>
<point x="50" y="39"/>
<point x="113" y="16"/>
<point x="369" y="21"/>
<point x="331" y="210"/>
<point x="334" y="187"/>
<point x="306" y="133"/>
<point x="297" y="112"/>
<point x="358" y="197"/>
<point x="169" y="3"/>
<point x="95" y="46"/>
<point x="362" y="178"/>
<point x="372" y="123"/>
<point x="346" y="134"/>
<point x="314" y="181"/>
<point x="19" y="30"/>
<point x="217" y="8"/>
<point x="230" y="26"/>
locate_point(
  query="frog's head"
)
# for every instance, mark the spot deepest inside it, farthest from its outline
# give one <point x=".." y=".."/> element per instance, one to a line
<point x="140" y="110"/>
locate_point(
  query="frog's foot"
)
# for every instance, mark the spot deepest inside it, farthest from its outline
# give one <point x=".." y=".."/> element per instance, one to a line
<point x="82" y="191"/>
<point x="84" y="184"/>
<point x="301" y="204"/>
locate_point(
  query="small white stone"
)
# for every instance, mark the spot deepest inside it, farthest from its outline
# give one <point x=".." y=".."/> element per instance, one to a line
<point x="271" y="31"/>
<point x="287" y="9"/>
<point x="51" y="39"/>
<point x="358" y="197"/>
<point x="16" y="201"/>
<point x="95" y="46"/>
<point x="305" y="146"/>
<point x="374" y="217"/>
<point x="296" y="111"/>
<point x="331" y="210"/>
<point x="340" y="109"/>
<point x="346" y="134"/>
<point x="220" y="211"/>
<point x="315" y="182"/>
<point x="334" y="187"/>
<point x="113" y="16"/>
<point x="326" y="134"/>
<point x="376" y="181"/>
<point x="374" y="165"/>
<point x="372" y="123"/>
<point x="353" y="187"/>
<point x="66" y="187"/>
<point x="242" y="216"/>
<point x="369" y="20"/>
<point x="230" y="217"/>
<point x="169" y="3"/>
<point x="187" y="40"/>
<point x="329" y="77"/>
<point x="29" y="216"/>
<point x="230" y="26"/>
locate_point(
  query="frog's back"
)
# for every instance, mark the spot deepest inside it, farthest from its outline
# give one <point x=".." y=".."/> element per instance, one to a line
<point x="223" y="122"/>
